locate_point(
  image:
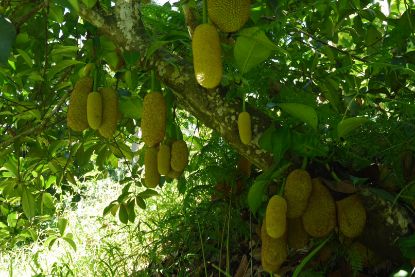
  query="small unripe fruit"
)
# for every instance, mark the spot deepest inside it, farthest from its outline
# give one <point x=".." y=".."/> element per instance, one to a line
<point x="244" y="127"/>
<point x="276" y="216"/>
<point x="163" y="159"/>
<point x="151" y="174"/>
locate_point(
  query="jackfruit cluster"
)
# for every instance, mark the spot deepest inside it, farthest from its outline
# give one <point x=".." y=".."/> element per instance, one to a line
<point x="319" y="217"/>
<point x="94" y="110"/>
<point x="297" y="236"/>
<point x="179" y="155"/>
<point x="77" y="116"/>
<point x="276" y="216"/>
<point x="351" y="216"/>
<point x="273" y="251"/>
<point x="153" y="119"/>
<point x="244" y="127"/>
<point x="229" y="15"/>
<point x="151" y="174"/>
<point x="297" y="191"/>
<point x="110" y="112"/>
<point x="207" y="61"/>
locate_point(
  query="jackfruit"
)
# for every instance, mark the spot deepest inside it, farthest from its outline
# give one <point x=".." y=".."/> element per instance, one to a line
<point x="244" y="167"/>
<point x="151" y="174"/>
<point x="275" y="215"/>
<point x="109" y="112"/>
<point x="76" y="116"/>
<point x="273" y="251"/>
<point x="319" y="217"/>
<point x="179" y="155"/>
<point x="94" y="110"/>
<point x="351" y="216"/>
<point x="173" y="174"/>
<point x="153" y="118"/>
<point x="207" y="61"/>
<point x="297" y="236"/>
<point x="163" y="159"/>
<point x="229" y="15"/>
<point x="297" y="190"/>
<point x="244" y="127"/>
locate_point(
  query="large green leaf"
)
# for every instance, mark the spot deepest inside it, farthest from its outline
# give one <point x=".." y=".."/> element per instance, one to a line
<point x="252" y="47"/>
<point x="131" y="107"/>
<point x="349" y="124"/>
<point x="302" y="112"/>
<point x="7" y="37"/>
<point x="28" y="202"/>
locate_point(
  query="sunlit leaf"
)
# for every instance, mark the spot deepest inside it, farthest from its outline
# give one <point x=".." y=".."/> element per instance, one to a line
<point x="302" y="112"/>
<point x="349" y="124"/>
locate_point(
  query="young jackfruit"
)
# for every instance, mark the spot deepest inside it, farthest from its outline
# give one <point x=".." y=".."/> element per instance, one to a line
<point x="173" y="174"/>
<point x="229" y="15"/>
<point x="297" y="236"/>
<point x="163" y="159"/>
<point x="273" y="251"/>
<point x="207" y="61"/>
<point x="151" y="174"/>
<point x="76" y="116"/>
<point x="94" y="110"/>
<point x="297" y="191"/>
<point x="244" y="127"/>
<point x="275" y="215"/>
<point x="319" y="217"/>
<point x="153" y="118"/>
<point x="351" y="216"/>
<point x="109" y="112"/>
<point x="179" y="155"/>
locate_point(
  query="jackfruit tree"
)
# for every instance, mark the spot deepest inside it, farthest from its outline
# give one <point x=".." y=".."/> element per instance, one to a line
<point x="326" y="89"/>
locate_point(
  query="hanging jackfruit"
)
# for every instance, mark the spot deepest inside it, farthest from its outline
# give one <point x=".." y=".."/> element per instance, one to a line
<point x="94" y="110"/>
<point x="244" y="127"/>
<point x="151" y="174"/>
<point x="163" y="159"/>
<point x="229" y="15"/>
<point x="273" y="251"/>
<point x="179" y="155"/>
<point x="297" y="236"/>
<point x="297" y="191"/>
<point x="110" y="112"/>
<point x="319" y="217"/>
<point x="153" y="118"/>
<point x="173" y="174"/>
<point x="207" y="61"/>
<point x="76" y="116"/>
<point x="275" y="215"/>
<point x="351" y="216"/>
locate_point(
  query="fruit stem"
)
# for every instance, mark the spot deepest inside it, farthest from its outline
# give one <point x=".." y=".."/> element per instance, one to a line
<point x="305" y="161"/>
<point x="95" y="80"/>
<point x="205" y="12"/>
<point x="153" y="80"/>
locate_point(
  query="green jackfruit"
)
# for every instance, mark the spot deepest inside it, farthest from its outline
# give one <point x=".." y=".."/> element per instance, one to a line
<point x="163" y="159"/>
<point x="319" y="217"/>
<point x="207" y="61"/>
<point x="244" y="127"/>
<point x="94" y="110"/>
<point x="153" y="118"/>
<point x="173" y="174"/>
<point x="297" y="236"/>
<point x="76" y="116"/>
<point x="229" y="15"/>
<point x="110" y="112"/>
<point x="179" y="155"/>
<point x="151" y="174"/>
<point x="273" y="251"/>
<point x="276" y="218"/>
<point x="297" y="190"/>
<point x="351" y="216"/>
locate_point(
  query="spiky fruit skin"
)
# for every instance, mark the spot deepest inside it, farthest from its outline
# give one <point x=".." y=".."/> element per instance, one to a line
<point x="94" y="110"/>
<point x="151" y="174"/>
<point x="275" y="215"/>
<point x="153" y="118"/>
<point x="229" y="15"/>
<point x="173" y="174"/>
<point x="76" y="116"/>
<point x="244" y="127"/>
<point x="351" y="216"/>
<point x="109" y="112"/>
<point x="297" y="236"/>
<point x="273" y="251"/>
<point x="207" y="61"/>
<point x="179" y="155"/>
<point x="244" y="167"/>
<point x="163" y="159"/>
<point x="319" y="217"/>
<point x="297" y="190"/>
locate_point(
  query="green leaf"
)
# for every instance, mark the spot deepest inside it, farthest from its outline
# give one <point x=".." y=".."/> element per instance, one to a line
<point x="70" y="241"/>
<point x="140" y="202"/>
<point x="89" y="3"/>
<point x="50" y="241"/>
<point x="131" y="107"/>
<point x="56" y="13"/>
<point x="28" y="203"/>
<point x="61" y="66"/>
<point x="252" y="47"/>
<point x="148" y="193"/>
<point x="349" y="124"/>
<point x="276" y="141"/>
<point x="74" y="4"/>
<point x="123" y="214"/>
<point x="7" y="38"/>
<point x="25" y="57"/>
<point x="302" y="112"/>
<point x="62" y="223"/>
<point x="108" y="208"/>
<point x="256" y="194"/>
<point x="131" y="211"/>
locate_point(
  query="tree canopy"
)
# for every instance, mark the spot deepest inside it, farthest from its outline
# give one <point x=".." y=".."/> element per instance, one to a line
<point x="329" y="85"/>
